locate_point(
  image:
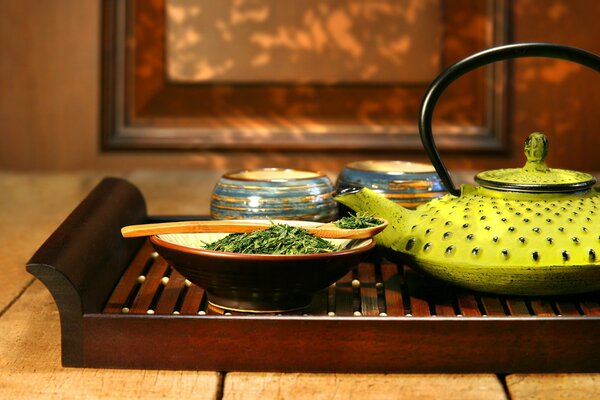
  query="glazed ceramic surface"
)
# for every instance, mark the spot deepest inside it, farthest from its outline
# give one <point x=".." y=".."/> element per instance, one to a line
<point x="406" y="183"/>
<point x="533" y="230"/>
<point x="482" y="241"/>
<point x="274" y="193"/>
<point x="258" y="282"/>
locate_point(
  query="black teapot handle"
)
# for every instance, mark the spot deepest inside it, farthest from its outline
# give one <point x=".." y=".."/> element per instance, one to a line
<point x="477" y="60"/>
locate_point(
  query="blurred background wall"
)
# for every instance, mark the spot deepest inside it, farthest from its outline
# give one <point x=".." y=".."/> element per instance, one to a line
<point x="50" y="97"/>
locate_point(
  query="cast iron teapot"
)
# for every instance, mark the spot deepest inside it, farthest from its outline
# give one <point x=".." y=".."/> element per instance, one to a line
<point x="525" y="231"/>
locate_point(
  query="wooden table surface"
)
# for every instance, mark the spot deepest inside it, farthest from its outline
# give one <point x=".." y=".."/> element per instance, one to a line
<point x="32" y="205"/>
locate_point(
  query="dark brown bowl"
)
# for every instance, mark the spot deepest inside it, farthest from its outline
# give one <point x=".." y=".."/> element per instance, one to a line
<point x="260" y="282"/>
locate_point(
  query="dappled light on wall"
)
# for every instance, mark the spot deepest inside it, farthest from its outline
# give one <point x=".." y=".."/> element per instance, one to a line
<point x="308" y="41"/>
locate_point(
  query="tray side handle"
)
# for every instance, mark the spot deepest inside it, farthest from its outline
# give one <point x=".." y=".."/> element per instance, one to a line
<point x="81" y="262"/>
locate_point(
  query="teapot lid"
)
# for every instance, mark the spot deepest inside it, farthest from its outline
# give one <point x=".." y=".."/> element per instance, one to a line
<point x="535" y="176"/>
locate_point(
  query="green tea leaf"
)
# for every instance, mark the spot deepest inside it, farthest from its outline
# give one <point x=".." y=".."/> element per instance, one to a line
<point x="358" y="221"/>
<point x="277" y="239"/>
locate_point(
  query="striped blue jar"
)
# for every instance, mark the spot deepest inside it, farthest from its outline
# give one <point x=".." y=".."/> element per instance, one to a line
<point x="274" y="193"/>
<point x="406" y="183"/>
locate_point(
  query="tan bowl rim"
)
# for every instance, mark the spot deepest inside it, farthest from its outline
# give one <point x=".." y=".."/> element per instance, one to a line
<point x="231" y="174"/>
<point x="356" y="165"/>
<point x="262" y="257"/>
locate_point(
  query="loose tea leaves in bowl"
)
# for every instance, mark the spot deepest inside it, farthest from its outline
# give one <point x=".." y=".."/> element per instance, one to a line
<point x="277" y="239"/>
<point x="358" y="221"/>
<point x="261" y="282"/>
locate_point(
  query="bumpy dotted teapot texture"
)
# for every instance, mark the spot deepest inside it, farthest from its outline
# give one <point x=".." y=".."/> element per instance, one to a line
<point x="483" y="230"/>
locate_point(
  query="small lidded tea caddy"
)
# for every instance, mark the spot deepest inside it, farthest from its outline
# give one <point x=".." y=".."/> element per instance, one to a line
<point x="276" y="193"/>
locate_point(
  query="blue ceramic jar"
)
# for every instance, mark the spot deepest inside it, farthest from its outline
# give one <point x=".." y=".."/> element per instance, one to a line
<point x="274" y="193"/>
<point x="408" y="184"/>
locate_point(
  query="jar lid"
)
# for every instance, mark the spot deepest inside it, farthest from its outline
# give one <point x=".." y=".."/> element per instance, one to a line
<point x="536" y="176"/>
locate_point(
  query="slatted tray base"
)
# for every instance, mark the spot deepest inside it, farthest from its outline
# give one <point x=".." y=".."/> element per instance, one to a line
<point x="376" y="288"/>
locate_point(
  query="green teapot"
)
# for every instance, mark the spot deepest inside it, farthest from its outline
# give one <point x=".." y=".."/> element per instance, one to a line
<point x="533" y="230"/>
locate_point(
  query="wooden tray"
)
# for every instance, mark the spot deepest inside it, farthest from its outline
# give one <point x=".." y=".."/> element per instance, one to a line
<point x="122" y="306"/>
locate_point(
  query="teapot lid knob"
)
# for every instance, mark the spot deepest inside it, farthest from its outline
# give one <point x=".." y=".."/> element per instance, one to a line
<point x="536" y="148"/>
<point x="536" y="176"/>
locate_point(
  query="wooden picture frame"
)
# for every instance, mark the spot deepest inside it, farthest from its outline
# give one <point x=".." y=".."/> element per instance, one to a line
<point x="143" y="110"/>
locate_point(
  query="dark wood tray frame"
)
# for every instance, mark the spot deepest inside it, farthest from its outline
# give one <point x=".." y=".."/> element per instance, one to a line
<point x="84" y="260"/>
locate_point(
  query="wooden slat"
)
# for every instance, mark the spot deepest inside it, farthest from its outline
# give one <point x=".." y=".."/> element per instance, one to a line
<point x="128" y="281"/>
<point x="517" y="306"/>
<point x="440" y="296"/>
<point x="171" y="293"/>
<point x="493" y="306"/>
<point x="331" y="300"/>
<point x="419" y="307"/>
<point x="355" y="292"/>
<point x="566" y="306"/>
<point x="369" y="304"/>
<point x="392" y="282"/>
<point x="443" y="298"/>
<point x="589" y="304"/>
<point x="147" y="292"/>
<point x="379" y="288"/>
<point x="542" y="307"/>
<point x="191" y="302"/>
<point x="344" y="296"/>
<point x="467" y="303"/>
<point x="444" y="309"/>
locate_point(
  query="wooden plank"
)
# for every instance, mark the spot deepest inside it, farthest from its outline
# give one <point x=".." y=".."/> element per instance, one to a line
<point x="467" y="303"/>
<point x="369" y="304"/>
<point x="392" y="282"/>
<point x="170" y="295"/>
<point x="148" y="289"/>
<point x="192" y="300"/>
<point x="241" y="386"/>
<point x="379" y="288"/>
<point x="590" y="305"/>
<point x="492" y="305"/>
<point x="567" y="306"/>
<point x="444" y="299"/>
<point x="553" y="386"/>
<point x="355" y="292"/>
<point x="129" y="280"/>
<point x="517" y="306"/>
<point x="331" y="300"/>
<point x="542" y="307"/>
<point x="344" y="296"/>
<point x="419" y="306"/>
<point x="30" y="365"/>
<point x="440" y="296"/>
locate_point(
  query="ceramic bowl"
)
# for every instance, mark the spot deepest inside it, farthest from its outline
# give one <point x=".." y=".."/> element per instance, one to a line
<point x="274" y="193"/>
<point x="408" y="184"/>
<point x="258" y="283"/>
